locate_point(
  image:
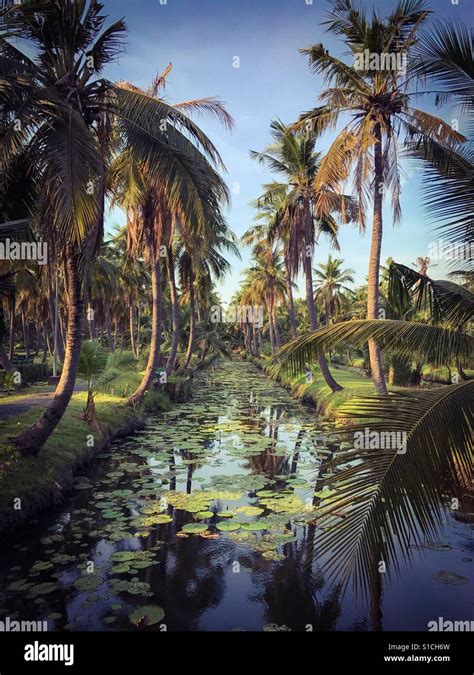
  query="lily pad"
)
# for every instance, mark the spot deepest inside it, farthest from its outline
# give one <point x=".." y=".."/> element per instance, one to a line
<point x="41" y="566"/>
<point x="88" y="583"/>
<point x="149" y="614"/>
<point x="254" y="527"/>
<point x="228" y="527"/>
<point x="204" y="514"/>
<point x="249" y="510"/>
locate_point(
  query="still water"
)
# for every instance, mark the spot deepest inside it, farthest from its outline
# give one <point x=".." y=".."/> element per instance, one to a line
<point x="203" y="521"/>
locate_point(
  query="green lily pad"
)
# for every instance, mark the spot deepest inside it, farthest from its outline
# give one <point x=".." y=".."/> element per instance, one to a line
<point x="228" y="527"/>
<point x="88" y="583"/>
<point x="249" y="510"/>
<point x="151" y="614"/>
<point x="123" y="556"/>
<point x="226" y="514"/>
<point x="44" y="588"/>
<point x="254" y="527"/>
<point x="41" y="566"/>
<point x="204" y="514"/>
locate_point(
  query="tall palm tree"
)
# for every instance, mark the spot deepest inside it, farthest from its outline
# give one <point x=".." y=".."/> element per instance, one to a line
<point x="293" y="156"/>
<point x="378" y="105"/>
<point x="198" y="259"/>
<point x="183" y="194"/>
<point x="267" y="277"/>
<point x="331" y="288"/>
<point x="273" y="222"/>
<point x="60" y="113"/>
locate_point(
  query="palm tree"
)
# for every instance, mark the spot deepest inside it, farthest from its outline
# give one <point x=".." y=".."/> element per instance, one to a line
<point x="294" y="157"/>
<point x="100" y="368"/>
<point x="378" y="105"/>
<point x="183" y="193"/>
<point x="59" y="113"/>
<point x="267" y="277"/>
<point x="447" y="60"/>
<point x="197" y="260"/>
<point x="273" y="222"/>
<point x="331" y="288"/>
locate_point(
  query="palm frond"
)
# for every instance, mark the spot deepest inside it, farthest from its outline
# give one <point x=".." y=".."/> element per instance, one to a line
<point x="391" y="484"/>
<point x="425" y="342"/>
<point x="445" y="300"/>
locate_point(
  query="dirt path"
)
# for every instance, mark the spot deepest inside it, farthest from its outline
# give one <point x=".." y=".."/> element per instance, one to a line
<point x="23" y="404"/>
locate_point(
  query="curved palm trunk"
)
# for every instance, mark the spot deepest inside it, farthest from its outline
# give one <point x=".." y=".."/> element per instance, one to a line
<point x="375" y="355"/>
<point x="314" y="325"/>
<point x="153" y="358"/>
<point x="32" y="440"/>
<point x="192" y="325"/>
<point x="174" y="314"/>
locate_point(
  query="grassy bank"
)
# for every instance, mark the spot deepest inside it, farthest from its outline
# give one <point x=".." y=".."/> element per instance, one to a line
<point x="317" y="392"/>
<point x="46" y="479"/>
<point x="39" y="482"/>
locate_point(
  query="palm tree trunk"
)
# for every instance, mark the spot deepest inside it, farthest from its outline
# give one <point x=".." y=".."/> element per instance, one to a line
<point x="270" y="330"/>
<point x="375" y="355"/>
<point x="153" y="358"/>
<point x="314" y="324"/>
<point x="255" y="339"/>
<point x="131" y="311"/>
<point x="174" y="314"/>
<point x="24" y="327"/>
<point x="192" y="325"/>
<point x="276" y="332"/>
<point x="12" y="329"/>
<point x="32" y="440"/>
<point x="45" y="343"/>
<point x="108" y="328"/>
<point x="291" y="302"/>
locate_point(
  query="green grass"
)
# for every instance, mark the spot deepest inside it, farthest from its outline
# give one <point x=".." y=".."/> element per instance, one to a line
<point x="354" y="384"/>
<point x="39" y="481"/>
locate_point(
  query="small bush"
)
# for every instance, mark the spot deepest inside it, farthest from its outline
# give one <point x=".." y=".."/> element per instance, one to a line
<point x="35" y="372"/>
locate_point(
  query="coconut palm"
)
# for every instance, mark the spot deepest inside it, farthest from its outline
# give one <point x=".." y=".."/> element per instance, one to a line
<point x="198" y="259"/>
<point x="183" y="195"/>
<point x="58" y="111"/>
<point x="100" y="368"/>
<point x="395" y="498"/>
<point x="378" y="105"/>
<point x="267" y="277"/>
<point x="273" y="222"/>
<point x="447" y="61"/>
<point x="293" y="156"/>
<point x="331" y="288"/>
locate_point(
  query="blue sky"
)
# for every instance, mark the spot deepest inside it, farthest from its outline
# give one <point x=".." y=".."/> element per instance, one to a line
<point x="202" y="38"/>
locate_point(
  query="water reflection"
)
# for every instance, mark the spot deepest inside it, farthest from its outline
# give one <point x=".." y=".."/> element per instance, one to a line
<point x="256" y="456"/>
